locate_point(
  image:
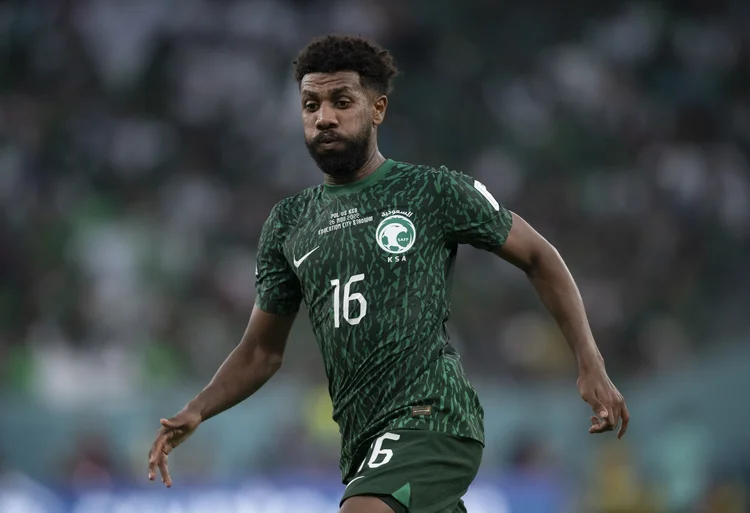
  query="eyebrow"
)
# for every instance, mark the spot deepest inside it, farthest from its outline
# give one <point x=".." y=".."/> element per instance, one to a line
<point x="338" y="91"/>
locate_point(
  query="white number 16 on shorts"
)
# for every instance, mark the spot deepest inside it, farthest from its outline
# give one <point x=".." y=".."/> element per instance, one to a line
<point x="378" y="452"/>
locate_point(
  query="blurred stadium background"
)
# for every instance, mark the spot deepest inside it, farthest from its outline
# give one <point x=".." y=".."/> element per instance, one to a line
<point x="143" y="143"/>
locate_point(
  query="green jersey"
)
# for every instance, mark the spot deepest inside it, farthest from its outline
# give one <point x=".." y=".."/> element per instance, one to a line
<point x="373" y="261"/>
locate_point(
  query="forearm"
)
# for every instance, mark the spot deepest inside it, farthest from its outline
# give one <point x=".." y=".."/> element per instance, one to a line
<point x="558" y="291"/>
<point x="244" y="371"/>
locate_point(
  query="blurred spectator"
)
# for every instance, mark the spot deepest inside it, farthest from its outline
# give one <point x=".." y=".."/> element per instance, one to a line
<point x="680" y="460"/>
<point x="726" y="497"/>
<point x="91" y="462"/>
<point x="616" y="486"/>
<point x="530" y="457"/>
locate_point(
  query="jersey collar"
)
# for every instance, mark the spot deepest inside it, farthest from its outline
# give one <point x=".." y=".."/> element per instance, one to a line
<point x="350" y="188"/>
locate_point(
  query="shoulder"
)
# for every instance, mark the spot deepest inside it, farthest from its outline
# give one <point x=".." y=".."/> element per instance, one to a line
<point x="285" y="217"/>
<point x="288" y="211"/>
<point x="417" y="170"/>
<point x="420" y="172"/>
<point x="440" y="176"/>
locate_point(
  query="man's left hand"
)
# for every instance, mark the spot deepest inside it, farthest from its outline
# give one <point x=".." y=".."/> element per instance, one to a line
<point x="605" y="400"/>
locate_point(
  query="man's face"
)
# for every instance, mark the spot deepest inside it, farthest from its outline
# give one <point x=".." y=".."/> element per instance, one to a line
<point x="339" y="115"/>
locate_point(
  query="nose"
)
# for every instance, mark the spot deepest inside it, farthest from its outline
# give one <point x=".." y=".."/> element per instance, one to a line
<point x="326" y="118"/>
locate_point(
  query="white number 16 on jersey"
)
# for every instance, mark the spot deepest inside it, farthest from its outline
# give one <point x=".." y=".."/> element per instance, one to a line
<point x="347" y="300"/>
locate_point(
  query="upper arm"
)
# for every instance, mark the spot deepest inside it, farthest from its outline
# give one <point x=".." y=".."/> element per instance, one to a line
<point x="268" y="332"/>
<point x="524" y="245"/>
<point x="471" y="214"/>
<point x="278" y="290"/>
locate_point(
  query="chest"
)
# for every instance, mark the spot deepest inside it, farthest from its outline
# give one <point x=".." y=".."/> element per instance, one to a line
<point x="349" y="237"/>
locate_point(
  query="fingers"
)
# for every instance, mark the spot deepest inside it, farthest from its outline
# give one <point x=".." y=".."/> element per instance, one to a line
<point x="153" y="456"/>
<point x="625" y="420"/>
<point x="614" y="412"/>
<point x="608" y="418"/>
<point x="602" y="412"/>
<point x="157" y="458"/>
<point x="605" y="420"/>
<point x="599" y="426"/>
<point x="151" y="466"/>
<point x="172" y="433"/>
<point x="169" y="423"/>
<point x="164" y="470"/>
<point x="614" y="418"/>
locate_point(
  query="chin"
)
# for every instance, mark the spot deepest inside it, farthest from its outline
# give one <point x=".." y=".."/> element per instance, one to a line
<point x="337" y="167"/>
<point x="329" y="151"/>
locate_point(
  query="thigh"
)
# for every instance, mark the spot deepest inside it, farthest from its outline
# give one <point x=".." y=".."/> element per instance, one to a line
<point x="423" y="471"/>
<point x="365" y="504"/>
<point x="460" y="507"/>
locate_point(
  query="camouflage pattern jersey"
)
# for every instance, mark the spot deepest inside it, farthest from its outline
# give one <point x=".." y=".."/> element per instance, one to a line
<point x="373" y="261"/>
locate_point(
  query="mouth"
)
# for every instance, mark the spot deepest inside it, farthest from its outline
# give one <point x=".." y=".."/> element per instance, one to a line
<point x="328" y="141"/>
<point x="327" y="137"/>
<point x="328" y="145"/>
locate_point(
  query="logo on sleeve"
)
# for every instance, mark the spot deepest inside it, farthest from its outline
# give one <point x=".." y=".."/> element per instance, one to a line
<point x="396" y="234"/>
<point x="487" y="194"/>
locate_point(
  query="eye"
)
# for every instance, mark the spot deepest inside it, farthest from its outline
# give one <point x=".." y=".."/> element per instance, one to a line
<point x="343" y="103"/>
<point x="311" y="106"/>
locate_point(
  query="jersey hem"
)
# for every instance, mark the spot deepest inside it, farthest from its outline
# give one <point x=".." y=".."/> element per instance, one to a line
<point x="275" y="308"/>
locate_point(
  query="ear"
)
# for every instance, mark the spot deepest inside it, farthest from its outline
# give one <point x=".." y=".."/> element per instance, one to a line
<point x="378" y="110"/>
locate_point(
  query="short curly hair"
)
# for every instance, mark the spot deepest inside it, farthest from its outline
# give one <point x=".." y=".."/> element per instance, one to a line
<point x="332" y="53"/>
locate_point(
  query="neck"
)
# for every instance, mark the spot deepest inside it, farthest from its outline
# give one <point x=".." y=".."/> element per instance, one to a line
<point x="374" y="161"/>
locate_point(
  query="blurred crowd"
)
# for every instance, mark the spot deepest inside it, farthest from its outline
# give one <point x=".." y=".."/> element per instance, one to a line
<point x="143" y="143"/>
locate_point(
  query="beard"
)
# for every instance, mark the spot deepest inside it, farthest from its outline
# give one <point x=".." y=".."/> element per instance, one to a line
<point x="344" y="161"/>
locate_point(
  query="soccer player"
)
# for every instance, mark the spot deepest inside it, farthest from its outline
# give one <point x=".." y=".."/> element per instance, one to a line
<point x="371" y="252"/>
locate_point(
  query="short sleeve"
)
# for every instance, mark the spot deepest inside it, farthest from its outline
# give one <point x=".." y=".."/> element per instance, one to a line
<point x="471" y="214"/>
<point x="278" y="291"/>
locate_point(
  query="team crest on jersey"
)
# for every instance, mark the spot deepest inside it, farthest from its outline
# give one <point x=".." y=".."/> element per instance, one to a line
<point x="396" y="234"/>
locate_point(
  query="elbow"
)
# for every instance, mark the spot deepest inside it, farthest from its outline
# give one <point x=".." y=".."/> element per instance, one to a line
<point x="273" y="363"/>
<point x="261" y="360"/>
<point x="267" y="362"/>
<point x="270" y="357"/>
<point x="544" y="256"/>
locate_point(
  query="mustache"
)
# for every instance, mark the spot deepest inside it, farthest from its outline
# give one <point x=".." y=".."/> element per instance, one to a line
<point x="327" y="136"/>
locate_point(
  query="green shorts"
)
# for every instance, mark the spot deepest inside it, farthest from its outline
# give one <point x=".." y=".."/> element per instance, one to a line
<point x="417" y="471"/>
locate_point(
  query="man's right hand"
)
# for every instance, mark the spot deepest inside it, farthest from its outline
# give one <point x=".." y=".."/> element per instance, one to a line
<point x="172" y="433"/>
